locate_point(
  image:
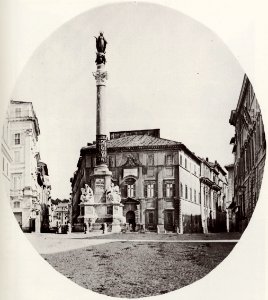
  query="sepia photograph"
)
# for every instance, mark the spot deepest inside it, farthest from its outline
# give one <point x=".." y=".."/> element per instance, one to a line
<point x="133" y="154"/>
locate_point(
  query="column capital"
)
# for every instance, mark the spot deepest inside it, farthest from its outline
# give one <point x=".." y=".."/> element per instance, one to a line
<point x="100" y="77"/>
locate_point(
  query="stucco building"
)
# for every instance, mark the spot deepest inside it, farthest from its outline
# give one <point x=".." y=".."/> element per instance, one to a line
<point x="159" y="180"/>
<point x="249" y="148"/>
<point x="6" y="158"/>
<point x="28" y="186"/>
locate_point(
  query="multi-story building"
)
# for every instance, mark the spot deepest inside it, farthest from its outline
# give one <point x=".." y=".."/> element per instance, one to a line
<point x="60" y="215"/>
<point x="44" y="196"/>
<point x="6" y="158"/>
<point x="249" y="152"/>
<point x="214" y="187"/>
<point x="159" y="180"/>
<point x="231" y="223"/>
<point x="25" y="189"/>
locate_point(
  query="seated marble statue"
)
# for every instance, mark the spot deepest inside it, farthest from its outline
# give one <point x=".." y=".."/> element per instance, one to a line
<point x="113" y="194"/>
<point x="87" y="194"/>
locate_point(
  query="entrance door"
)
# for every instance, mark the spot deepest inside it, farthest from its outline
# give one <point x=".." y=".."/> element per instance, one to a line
<point x="32" y="225"/>
<point x="130" y="219"/>
<point x="150" y="220"/>
<point x="18" y="216"/>
<point x="169" y="220"/>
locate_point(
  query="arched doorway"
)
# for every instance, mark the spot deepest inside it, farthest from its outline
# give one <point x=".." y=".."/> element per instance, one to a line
<point x="130" y="219"/>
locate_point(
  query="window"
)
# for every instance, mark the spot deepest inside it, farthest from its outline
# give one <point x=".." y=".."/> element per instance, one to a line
<point x="130" y="190"/>
<point x="195" y="196"/>
<point x="180" y="159"/>
<point x="169" y="160"/>
<point x="149" y="190"/>
<point x="17" y="138"/>
<point x="186" y="192"/>
<point x="185" y="163"/>
<point x="181" y="188"/>
<point x="150" y="160"/>
<point x="168" y="189"/>
<point x="111" y="161"/>
<point x="18" y="112"/>
<point x="191" y="194"/>
<point x="109" y="210"/>
<point x="16" y="204"/>
<point x="194" y="169"/>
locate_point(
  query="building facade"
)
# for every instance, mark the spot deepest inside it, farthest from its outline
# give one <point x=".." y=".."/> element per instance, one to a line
<point x="6" y="158"/>
<point x="27" y="178"/>
<point x="159" y="181"/>
<point x="44" y="190"/>
<point x="231" y="223"/>
<point x="249" y="148"/>
<point x="214" y="189"/>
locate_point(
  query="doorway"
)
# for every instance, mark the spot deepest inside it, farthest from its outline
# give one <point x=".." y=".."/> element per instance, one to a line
<point x="169" y="220"/>
<point x="130" y="219"/>
<point x="18" y="216"/>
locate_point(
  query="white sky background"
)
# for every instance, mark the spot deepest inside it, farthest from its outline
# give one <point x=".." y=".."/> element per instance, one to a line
<point x="165" y="71"/>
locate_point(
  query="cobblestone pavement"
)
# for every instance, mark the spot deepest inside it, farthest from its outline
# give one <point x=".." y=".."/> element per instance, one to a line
<point x="46" y="243"/>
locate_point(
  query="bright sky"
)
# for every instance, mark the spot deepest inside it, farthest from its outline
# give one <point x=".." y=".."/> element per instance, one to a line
<point x="165" y="71"/>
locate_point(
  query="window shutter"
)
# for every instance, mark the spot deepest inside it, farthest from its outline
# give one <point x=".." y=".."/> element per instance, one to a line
<point x="173" y="190"/>
<point x="145" y="190"/>
<point x="134" y="190"/>
<point x="155" y="190"/>
<point x="164" y="190"/>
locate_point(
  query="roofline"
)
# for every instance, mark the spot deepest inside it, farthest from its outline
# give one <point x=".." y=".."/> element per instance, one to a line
<point x="230" y="166"/>
<point x="133" y="130"/>
<point x="245" y="84"/>
<point x="178" y="146"/>
<point x="35" y="119"/>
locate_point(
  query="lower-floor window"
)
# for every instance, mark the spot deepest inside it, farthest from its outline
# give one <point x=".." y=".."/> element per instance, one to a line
<point x="16" y="204"/>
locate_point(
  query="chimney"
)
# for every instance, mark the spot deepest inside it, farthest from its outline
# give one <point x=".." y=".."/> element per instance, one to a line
<point x="207" y="159"/>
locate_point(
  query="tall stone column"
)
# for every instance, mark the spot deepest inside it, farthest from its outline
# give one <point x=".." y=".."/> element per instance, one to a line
<point x="102" y="175"/>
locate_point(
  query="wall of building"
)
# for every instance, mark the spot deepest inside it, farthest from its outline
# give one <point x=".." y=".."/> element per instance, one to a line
<point x="160" y="180"/>
<point x="26" y="195"/>
<point x="250" y="152"/>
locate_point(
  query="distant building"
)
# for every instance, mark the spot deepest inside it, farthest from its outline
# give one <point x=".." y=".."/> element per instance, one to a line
<point x="214" y="188"/>
<point x="159" y="180"/>
<point x="60" y="214"/>
<point x="249" y="148"/>
<point x="26" y="173"/>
